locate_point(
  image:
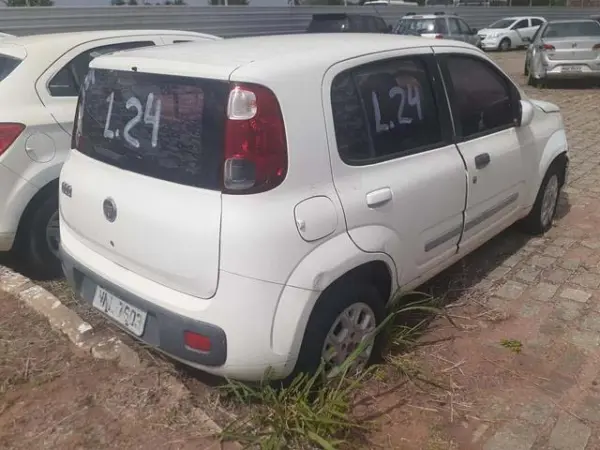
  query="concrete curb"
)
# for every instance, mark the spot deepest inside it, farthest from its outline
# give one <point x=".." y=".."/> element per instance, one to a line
<point x="104" y="345"/>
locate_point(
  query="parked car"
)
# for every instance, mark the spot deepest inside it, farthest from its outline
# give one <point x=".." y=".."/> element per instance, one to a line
<point x="40" y="78"/>
<point x="346" y="23"/>
<point x="239" y="224"/>
<point x="438" y="25"/>
<point x="564" y="49"/>
<point x="510" y="32"/>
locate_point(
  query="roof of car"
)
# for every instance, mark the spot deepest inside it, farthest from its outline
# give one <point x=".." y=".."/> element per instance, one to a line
<point x="271" y="54"/>
<point x="571" y="21"/>
<point x="67" y="40"/>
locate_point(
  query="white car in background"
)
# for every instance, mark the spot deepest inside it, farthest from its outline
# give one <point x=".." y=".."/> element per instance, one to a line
<point x="40" y="77"/>
<point x="222" y="215"/>
<point x="510" y="33"/>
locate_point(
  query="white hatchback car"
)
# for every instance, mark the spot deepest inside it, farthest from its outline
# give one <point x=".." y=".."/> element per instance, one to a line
<point x="510" y="32"/>
<point x="254" y="203"/>
<point x="39" y="85"/>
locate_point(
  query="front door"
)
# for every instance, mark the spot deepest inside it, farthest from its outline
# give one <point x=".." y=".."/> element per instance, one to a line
<point x="484" y="105"/>
<point x="400" y="179"/>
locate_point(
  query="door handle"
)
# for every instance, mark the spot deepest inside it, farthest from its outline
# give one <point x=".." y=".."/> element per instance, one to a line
<point x="379" y="197"/>
<point x="482" y="160"/>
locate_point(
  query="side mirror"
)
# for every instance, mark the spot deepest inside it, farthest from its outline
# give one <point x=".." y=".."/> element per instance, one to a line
<point x="527" y="112"/>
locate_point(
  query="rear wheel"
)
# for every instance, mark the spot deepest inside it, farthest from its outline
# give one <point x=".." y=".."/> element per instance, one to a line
<point x="38" y="239"/>
<point x="526" y="69"/>
<point x="344" y="316"/>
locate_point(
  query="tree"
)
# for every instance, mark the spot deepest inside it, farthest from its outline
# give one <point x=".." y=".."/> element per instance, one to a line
<point x="28" y="2"/>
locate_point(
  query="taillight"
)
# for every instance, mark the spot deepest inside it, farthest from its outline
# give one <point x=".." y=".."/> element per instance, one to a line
<point x="9" y="132"/>
<point x="548" y="47"/>
<point x="596" y="47"/>
<point x="439" y="36"/>
<point x="255" y="142"/>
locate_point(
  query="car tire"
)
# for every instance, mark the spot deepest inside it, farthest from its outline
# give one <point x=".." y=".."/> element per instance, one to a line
<point x="526" y="69"/>
<point x="336" y="301"/>
<point x="539" y="220"/>
<point x="532" y="81"/>
<point x="504" y="45"/>
<point x="33" y="246"/>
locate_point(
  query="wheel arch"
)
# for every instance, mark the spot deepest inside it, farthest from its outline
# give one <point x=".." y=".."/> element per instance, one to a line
<point x="40" y="195"/>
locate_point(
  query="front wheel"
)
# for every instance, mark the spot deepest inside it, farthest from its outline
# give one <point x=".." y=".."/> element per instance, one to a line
<point x="543" y="212"/>
<point x="39" y="238"/>
<point x="344" y="317"/>
<point x="504" y="45"/>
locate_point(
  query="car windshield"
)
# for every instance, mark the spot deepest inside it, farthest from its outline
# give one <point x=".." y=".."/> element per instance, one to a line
<point x="572" y="29"/>
<point x="502" y="23"/>
<point x="7" y="65"/>
<point x="416" y="26"/>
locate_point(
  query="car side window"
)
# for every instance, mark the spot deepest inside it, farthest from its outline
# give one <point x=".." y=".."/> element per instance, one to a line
<point x="523" y="23"/>
<point x="180" y="41"/>
<point x="464" y="28"/>
<point x="481" y="97"/>
<point x="67" y="80"/>
<point x="385" y="110"/>
<point x="453" y="26"/>
<point x="440" y="26"/>
<point x="536" y="22"/>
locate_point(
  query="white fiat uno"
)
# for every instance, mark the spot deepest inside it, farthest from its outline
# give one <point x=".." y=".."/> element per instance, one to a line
<point x="253" y="204"/>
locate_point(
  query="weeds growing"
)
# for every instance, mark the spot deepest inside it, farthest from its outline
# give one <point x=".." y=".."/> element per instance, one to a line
<point x="316" y="411"/>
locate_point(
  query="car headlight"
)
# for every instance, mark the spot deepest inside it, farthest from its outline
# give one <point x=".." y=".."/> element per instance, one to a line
<point x="494" y="35"/>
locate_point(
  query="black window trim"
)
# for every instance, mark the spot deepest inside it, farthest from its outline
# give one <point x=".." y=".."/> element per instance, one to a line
<point x="91" y="49"/>
<point x="446" y="128"/>
<point x="515" y="97"/>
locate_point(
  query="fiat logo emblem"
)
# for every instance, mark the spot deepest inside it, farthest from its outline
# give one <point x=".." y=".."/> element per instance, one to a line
<point x="110" y="209"/>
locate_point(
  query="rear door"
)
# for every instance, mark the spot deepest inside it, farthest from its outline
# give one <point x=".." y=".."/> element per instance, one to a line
<point x="145" y="176"/>
<point x="399" y="177"/>
<point x="484" y="105"/>
<point x="454" y="29"/>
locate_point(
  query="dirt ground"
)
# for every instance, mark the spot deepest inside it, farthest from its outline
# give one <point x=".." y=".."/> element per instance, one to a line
<point x="52" y="397"/>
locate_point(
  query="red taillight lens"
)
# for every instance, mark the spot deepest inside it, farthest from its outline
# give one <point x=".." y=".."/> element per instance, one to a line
<point x="255" y="141"/>
<point x="439" y="36"/>
<point x="548" y="47"/>
<point x="9" y="132"/>
<point x="196" y="341"/>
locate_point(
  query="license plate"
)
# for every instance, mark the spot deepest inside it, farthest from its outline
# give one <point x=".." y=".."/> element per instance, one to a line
<point x="571" y="69"/>
<point x="132" y="318"/>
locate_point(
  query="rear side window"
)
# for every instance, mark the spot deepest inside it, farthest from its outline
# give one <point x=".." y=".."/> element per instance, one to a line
<point x="7" y="65"/>
<point x="536" y="22"/>
<point x="165" y="127"/>
<point x="67" y="82"/>
<point x="384" y="110"/>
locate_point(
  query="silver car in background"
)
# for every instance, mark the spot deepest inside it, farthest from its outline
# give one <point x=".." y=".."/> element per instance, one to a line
<point x="564" y="49"/>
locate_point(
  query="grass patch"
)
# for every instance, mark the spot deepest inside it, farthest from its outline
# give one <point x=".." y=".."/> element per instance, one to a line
<point x="513" y="345"/>
<point x="316" y="411"/>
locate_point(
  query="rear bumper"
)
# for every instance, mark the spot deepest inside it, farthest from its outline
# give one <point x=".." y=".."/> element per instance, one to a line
<point x="15" y="194"/>
<point x="164" y="329"/>
<point x="557" y="70"/>
<point x="250" y="323"/>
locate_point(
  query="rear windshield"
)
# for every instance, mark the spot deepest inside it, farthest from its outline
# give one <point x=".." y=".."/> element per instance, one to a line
<point x="572" y="29"/>
<point x="161" y="126"/>
<point x="328" y="24"/>
<point x="418" y="26"/>
<point x="7" y="65"/>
